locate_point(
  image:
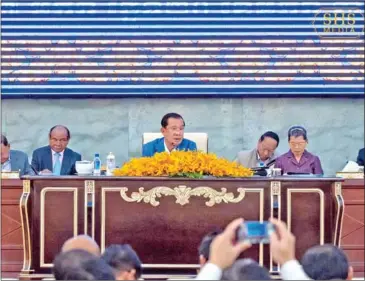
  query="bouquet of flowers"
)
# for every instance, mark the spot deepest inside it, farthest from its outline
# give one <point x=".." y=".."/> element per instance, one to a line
<point x="191" y="164"/>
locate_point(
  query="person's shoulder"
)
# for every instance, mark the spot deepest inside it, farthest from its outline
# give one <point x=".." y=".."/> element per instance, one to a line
<point x="69" y="150"/>
<point x="362" y="151"/>
<point x="41" y="149"/>
<point x="18" y="153"/>
<point x="153" y="142"/>
<point x="245" y="153"/>
<point x="188" y="142"/>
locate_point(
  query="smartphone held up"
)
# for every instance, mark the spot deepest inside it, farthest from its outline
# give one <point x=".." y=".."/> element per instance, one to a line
<point x="255" y="232"/>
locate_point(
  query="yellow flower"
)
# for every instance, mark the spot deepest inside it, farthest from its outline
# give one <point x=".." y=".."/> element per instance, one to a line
<point x="182" y="163"/>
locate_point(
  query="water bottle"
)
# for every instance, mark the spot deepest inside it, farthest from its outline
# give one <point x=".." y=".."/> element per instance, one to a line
<point x="110" y="164"/>
<point x="97" y="165"/>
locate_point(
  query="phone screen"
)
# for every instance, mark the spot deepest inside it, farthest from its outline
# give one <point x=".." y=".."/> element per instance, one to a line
<point x="255" y="232"/>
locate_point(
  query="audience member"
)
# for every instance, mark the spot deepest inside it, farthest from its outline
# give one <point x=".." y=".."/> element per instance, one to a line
<point x="172" y="128"/>
<point x="81" y="265"/>
<point x="82" y="242"/>
<point x="204" y="247"/>
<point x="56" y="158"/>
<point x="124" y="261"/>
<point x="246" y="269"/>
<point x="326" y="262"/>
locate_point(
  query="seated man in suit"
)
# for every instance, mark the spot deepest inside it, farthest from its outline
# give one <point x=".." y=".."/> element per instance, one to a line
<point x="360" y="157"/>
<point x="14" y="160"/>
<point x="173" y="126"/>
<point x="263" y="154"/>
<point x="56" y="158"/>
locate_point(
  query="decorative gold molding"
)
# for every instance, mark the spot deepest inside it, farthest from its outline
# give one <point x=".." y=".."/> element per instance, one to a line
<point x="182" y="193"/>
<point x="275" y="187"/>
<point x="89" y="193"/>
<point x="321" y="207"/>
<point x="275" y="197"/>
<point x="26" y="186"/>
<point x="27" y="246"/>
<point x="42" y="220"/>
<point x="340" y="209"/>
<point x="231" y="198"/>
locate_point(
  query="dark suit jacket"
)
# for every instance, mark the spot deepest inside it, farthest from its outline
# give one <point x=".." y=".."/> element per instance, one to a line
<point x="158" y="145"/>
<point x="19" y="162"/>
<point x="42" y="159"/>
<point x="360" y="157"/>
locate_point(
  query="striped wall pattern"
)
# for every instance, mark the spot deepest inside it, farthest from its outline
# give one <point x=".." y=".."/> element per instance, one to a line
<point x="84" y="48"/>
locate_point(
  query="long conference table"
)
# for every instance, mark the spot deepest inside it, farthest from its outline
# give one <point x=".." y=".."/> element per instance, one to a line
<point x="164" y="219"/>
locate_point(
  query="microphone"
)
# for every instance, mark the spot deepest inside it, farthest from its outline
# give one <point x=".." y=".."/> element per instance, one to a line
<point x="34" y="170"/>
<point x="270" y="163"/>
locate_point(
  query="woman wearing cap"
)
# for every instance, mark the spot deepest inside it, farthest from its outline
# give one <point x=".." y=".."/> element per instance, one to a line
<point x="298" y="159"/>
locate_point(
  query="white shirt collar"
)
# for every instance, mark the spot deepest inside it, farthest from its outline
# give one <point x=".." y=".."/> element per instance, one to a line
<point x="166" y="149"/>
<point x="54" y="152"/>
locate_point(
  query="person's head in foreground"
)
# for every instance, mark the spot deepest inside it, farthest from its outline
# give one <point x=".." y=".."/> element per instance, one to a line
<point x="204" y="247"/>
<point x="246" y="269"/>
<point x="326" y="262"/>
<point x="124" y="261"/>
<point x="81" y="265"/>
<point x="82" y="242"/>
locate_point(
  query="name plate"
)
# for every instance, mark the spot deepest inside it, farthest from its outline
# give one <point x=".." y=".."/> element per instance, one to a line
<point x="10" y="175"/>
<point x="350" y="175"/>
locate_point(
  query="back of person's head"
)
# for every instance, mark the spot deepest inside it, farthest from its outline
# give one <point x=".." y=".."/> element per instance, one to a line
<point x="246" y="269"/>
<point x="82" y="242"/>
<point x="204" y="247"/>
<point x="124" y="261"/>
<point x="326" y="262"/>
<point x="81" y="265"/>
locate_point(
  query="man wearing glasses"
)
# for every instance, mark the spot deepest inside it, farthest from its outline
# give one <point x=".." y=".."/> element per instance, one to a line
<point x="56" y="158"/>
<point x="172" y="129"/>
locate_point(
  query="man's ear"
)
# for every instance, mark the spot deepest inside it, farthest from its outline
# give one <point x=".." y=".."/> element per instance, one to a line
<point x="162" y="130"/>
<point x="202" y="260"/>
<point x="350" y="273"/>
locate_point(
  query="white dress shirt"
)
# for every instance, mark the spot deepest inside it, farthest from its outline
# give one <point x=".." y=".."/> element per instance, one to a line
<point x="291" y="270"/>
<point x="6" y="166"/>
<point x="166" y="149"/>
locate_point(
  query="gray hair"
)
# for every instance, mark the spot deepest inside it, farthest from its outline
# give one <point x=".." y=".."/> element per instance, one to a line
<point x="297" y="131"/>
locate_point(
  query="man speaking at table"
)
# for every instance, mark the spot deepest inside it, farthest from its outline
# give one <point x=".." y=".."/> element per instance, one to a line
<point x="56" y="158"/>
<point x="172" y="129"/>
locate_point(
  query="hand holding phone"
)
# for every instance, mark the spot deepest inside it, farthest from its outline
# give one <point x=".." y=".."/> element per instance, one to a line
<point x="255" y="232"/>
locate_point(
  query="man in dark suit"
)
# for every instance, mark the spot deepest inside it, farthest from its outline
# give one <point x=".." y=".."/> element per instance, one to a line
<point x="360" y="157"/>
<point x="56" y="158"/>
<point x="14" y="160"/>
<point x="173" y="126"/>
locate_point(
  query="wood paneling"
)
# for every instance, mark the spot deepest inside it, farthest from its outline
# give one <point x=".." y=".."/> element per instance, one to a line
<point x="11" y="230"/>
<point x="352" y="238"/>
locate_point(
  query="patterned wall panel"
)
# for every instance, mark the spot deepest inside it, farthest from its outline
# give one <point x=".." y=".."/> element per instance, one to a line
<point x="209" y="48"/>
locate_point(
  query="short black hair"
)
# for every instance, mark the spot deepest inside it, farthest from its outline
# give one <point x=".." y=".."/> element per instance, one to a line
<point x="204" y="247"/>
<point x="297" y="131"/>
<point x="165" y="119"/>
<point x="270" y="134"/>
<point x="4" y="140"/>
<point x="122" y="258"/>
<point x="246" y="269"/>
<point x="81" y="265"/>
<point x="60" y="126"/>
<point x="325" y="262"/>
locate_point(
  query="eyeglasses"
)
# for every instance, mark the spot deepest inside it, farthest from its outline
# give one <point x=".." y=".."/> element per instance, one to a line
<point x="303" y="143"/>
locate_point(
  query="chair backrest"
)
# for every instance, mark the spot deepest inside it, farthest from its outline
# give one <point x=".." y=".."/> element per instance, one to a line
<point x="201" y="139"/>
